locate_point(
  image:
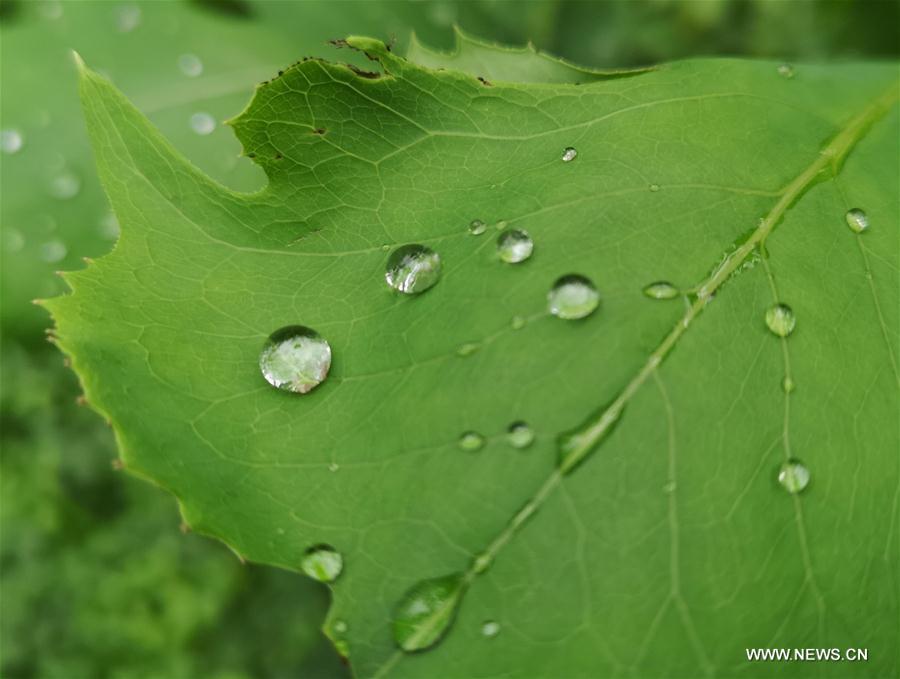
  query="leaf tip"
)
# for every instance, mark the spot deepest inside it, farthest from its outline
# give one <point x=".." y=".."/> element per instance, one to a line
<point x="79" y="62"/>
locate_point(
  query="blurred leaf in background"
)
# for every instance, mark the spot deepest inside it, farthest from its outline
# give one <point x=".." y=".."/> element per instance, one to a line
<point x="96" y="579"/>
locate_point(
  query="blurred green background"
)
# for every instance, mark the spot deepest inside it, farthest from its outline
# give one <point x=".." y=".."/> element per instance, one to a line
<point x="97" y="580"/>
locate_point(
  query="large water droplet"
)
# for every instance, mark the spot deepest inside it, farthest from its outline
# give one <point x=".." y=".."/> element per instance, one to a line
<point x="413" y="269"/>
<point x="573" y="296"/>
<point x="490" y="629"/>
<point x="426" y="611"/>
<point x="53" y="251"/>
<point x="781" y="320"/>
<point x="65" y="185"/>
<point x="520" y="435"/>
<point x="202" y="123"/>
<point x="295" y="359"/>
<point x="471" y="440"/>
<point x="661" y="290"/>
<point x="190" y="65"/>
<point x="11" y="141"/>
<point x="477" y="227"/>
<point x="322" y="562"/>
<point x="794" y="476"/>
<point x="857" y="220"/>
<point x="569" y="154"/>
<point x="514" y="246"/>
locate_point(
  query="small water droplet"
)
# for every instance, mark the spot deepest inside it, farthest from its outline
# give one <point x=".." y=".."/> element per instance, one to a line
<point x="471" y="440"/>
<point x="502" y="224"/>
<point x="295" y="358"/>
<point x="202" y="123"/>
<point x="425" y="612"/>
<point x="517" y="323"/>
<point x="333" y="467"/>
<point x="385" y="247"/>
<point x="339" y="626"/>
<point x="514" y="246"/>
<point x="787" y="384"/>
<point x="477" y="227"/>
<point x="669" y="487"/>
<point x="128" y="17"/>
<point x="661" y="290"/>
<point x="569" y="154"/>
<point x="413" y="269"/>
<point x="467" y="349"/>
<point x="190" y="65"/>
<point x="572" y="297"/>
<point x="490" y="629"/>
<point x="794" y="476"/>
<point x="322" y="562"/>
<point x="520" y="435"/>
<point x="65" y="185"/>
<point x="11" y="140"/>
<point x="857" y="220"/>
<point x="781" y="320"/>
<point x="786" y="71"/>
<point x="654" y="187"/>
<point x="53" y="251"/>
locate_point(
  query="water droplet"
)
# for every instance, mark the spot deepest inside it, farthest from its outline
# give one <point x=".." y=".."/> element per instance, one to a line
<point x="11" y="141"/>
<point x="295" y="358"/>
<point x="514" y="246"/>
<point x="502" y="224"/>
<point x="654" y="187"/>
<point x="787" y="384"/>
<point x="322" y="562"/>
<point x="661" y="290"/>
<point x="65" y="185"/>
<point x="490" y="629"/>
<point x="857" y="220"/>
<point x="412" y="269"/>
<point x="520" y="435"/>
<point x="569" y="154"/>
<point x="781" y="320"/>
<point x="339" y="626"/>
<point x="786" y="71"/>
<point x="467" y="349"/>
<point x="517" y="323"/>
<point x="477" y="227"/>
<point x="53" y="251"/>
<point x="190" y="65"/>
<point x="471" y="440"/>
<point x="128" y="17"/>
<point x="573" y="296"/>
<point x="203" y="123"/>
<point x="794" y="476"/>
<point x="13" y="240"/>
<point x="425" y="612"/>
<point x="333" y="467"/>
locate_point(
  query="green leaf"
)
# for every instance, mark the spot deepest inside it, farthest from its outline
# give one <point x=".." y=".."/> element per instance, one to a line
<point x="505" y="64"/>
<point x="655" y="540"/>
